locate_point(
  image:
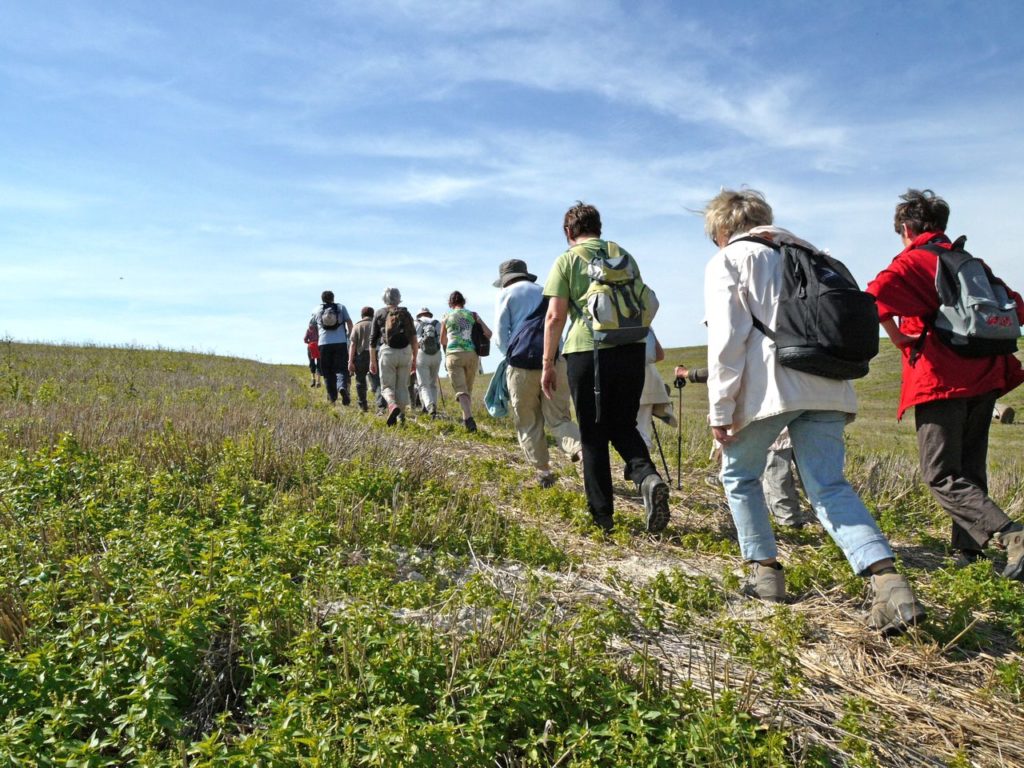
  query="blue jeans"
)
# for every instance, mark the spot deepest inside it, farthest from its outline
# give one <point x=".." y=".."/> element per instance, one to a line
<point x="818" y="445"/>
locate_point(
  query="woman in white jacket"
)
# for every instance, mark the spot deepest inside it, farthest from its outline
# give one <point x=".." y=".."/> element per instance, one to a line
<point x="752" y="398"/>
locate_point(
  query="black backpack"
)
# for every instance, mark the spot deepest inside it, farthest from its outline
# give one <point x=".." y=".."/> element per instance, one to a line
<point x="481" y="343"/>
<point x="976" y="317"/>
<point x="526" y="345"/>
<point x="825" y="324"/>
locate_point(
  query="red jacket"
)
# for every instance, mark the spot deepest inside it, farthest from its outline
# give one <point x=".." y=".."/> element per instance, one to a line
<point x="311" y="338"/>
<point x="906" y="289"/>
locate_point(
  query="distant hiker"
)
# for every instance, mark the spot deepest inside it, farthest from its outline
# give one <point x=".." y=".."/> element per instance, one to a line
<point x="313" y="354"/>
<point x="519" y="316"/>
<point x="461" y="358"/>
<point x="605" y="379"/>
<point x="953" y="396"/>
<point x="359" y="358"/>
<point x="753" y="397"/>
<point x="428" y="359"/>
<point x="654" y="400"/>
<point x="333" y="325"/>
<point x="779" y="479"/>
<point x="393" y="350"/>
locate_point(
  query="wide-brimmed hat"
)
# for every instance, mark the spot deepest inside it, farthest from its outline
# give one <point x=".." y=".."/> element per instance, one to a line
<point x="513" y="269"/>
<point x="423" y="312"/>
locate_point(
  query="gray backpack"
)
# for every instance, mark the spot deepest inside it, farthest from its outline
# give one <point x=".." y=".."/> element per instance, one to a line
<point x="330" y="316"/>
<point x="976" y="317"/>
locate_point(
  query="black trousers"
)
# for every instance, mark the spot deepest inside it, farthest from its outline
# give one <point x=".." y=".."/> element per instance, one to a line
<point x="362" y="361"/>
<point x="622" y="370"/>
<point x="952" y="438"/>
<point x="334" y="367"/>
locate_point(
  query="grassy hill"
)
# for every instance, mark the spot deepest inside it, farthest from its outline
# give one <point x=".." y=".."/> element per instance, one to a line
<point x="204" y="564"/>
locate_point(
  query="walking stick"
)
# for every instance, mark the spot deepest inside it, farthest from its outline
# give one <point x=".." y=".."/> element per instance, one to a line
<point x="679" y="384"/>
<point x="657" y="439"/>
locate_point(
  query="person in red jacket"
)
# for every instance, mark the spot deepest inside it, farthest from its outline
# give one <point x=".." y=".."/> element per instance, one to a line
<point x="313" y="354"/>
<point x="952" y="396"/>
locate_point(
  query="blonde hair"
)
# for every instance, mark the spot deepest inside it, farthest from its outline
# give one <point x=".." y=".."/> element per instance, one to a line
<point x="732" y="211"/>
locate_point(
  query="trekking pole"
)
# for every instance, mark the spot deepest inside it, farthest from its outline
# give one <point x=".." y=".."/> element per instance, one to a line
<point x="657" y="439"/>
<point x="679" y="384"/>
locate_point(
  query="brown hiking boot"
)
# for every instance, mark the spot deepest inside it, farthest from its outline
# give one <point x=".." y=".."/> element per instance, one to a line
<point x="894" y="608"/>
<point x="766" y="582"/>
<point x="1013" y="542"/>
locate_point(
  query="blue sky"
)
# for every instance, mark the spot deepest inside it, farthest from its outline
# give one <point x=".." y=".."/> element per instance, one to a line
<point x="192" y="174"/>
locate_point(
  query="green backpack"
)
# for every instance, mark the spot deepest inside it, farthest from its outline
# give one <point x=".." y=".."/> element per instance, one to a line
<point x="618" y="307"/>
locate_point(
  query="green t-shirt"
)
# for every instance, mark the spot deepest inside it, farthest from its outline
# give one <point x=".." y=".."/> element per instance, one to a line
<point x="459" y="324"/>
<point x="568" y="280"/>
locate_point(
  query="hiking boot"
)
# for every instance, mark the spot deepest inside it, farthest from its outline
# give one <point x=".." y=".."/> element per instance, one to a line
<point x="655" y="493"/>
<point x="312" y="383"/>
<point x="604" y="522"/>
<point x="894" y="607"/>
<point x="577" y="457"/>
<point x="346" y="398"/>
<point x="364" y="406"/>
<point x="470" y="424"/>
<point x="546" y="479"/>
<point x="765" y="582"/>
<point x="1012" y="541"/>
<point x="393" y="413"/>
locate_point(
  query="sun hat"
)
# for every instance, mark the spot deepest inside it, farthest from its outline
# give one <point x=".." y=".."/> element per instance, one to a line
<point x="423" y="312"/>
<point x="513" y="269"/>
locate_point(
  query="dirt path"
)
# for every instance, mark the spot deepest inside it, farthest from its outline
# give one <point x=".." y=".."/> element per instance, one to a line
<point x="905" y="701"/>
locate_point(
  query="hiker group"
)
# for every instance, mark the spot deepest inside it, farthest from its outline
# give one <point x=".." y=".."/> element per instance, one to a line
<point x="788" y="329"/>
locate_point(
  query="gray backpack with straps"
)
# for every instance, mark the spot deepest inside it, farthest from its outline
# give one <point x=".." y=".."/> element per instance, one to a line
<point x="976" y="316"/>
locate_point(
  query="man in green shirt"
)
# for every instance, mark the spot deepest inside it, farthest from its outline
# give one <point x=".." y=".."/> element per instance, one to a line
<point x="621" y="378"/>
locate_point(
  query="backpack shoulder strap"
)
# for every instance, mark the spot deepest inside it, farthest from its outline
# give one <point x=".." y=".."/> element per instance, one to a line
<point x="759" y="241"/>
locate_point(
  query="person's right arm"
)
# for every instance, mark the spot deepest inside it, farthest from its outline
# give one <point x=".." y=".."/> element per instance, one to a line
<point x="374" y="341"/>
<point x="502" y="323"/>
<point x="729" y="325"/>
<point x="554" y="323"/>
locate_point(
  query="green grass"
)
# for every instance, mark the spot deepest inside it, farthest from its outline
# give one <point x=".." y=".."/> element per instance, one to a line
<point x="203" y="564"/>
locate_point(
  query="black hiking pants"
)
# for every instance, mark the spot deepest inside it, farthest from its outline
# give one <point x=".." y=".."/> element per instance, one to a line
<point x="362" y="361"/>
<point x="622" y="371"/>
<point x="334" y="367"/>
<point x="952" y="438"/>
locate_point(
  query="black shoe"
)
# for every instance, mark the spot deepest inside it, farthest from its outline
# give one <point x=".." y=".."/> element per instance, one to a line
<point x="470" y="424"/>
<point x="393" y="413"/>
<point x="364" y="407"/>
<point x="604" y="522"/>
<point x="346" y="399"/>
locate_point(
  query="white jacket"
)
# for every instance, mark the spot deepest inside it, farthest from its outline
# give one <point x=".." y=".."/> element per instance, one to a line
<point x="745" y="382"/>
